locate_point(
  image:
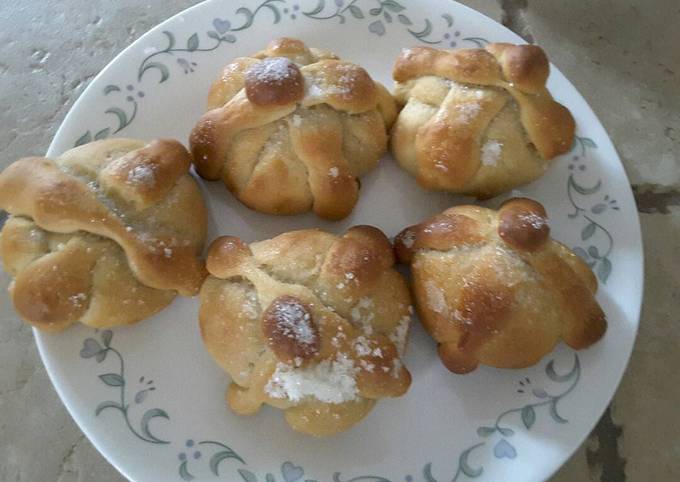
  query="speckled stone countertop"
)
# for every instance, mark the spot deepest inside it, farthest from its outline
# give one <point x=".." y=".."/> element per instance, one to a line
<point x="621" y="55"/>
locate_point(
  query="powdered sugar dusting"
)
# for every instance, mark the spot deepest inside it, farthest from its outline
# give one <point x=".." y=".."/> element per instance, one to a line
<point x="468" y="111"/>
<point x="142" y="174"/>
<point x="408" y="239"/>
<point x="330" y="381"/>
<point x="334" y="172"/>
<point x="362" y="346"/>
<point x="250" y="306"/>
<point x="294" y="322"/>
<point x="398" y="336"/>
<point x="77" y="299"/>
<point x="362" y="314"/>
<point x="491" y="152"/>
<point x="274" y="70"/>
<point x="534" y="220"/>
<point x="435" y="298"/>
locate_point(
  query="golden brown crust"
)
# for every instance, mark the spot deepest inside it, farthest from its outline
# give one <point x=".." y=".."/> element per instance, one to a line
<point x="274" y="81"/>
<point x="492" y="288"/>
<point x="291" y="129"/>
<point x="477" y="121"/>
<point x="306" y="300"/>
<point x="523" y="224"/>
<point x="117" y="203"/>
<point x="289" y="328"/>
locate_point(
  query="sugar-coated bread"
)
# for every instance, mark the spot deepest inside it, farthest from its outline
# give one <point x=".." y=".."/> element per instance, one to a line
<point x="105" y="234"/>
<point x="477" y="121"/>
<point x="493" y="288"/>
<point x="291" y="129"/>
<point x="308" y="322"/>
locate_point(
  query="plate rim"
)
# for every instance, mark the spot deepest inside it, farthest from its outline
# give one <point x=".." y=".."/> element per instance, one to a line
<point x="636" y="304"/>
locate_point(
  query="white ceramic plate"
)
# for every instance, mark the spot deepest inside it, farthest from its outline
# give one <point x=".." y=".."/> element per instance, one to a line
<point x="151" y="399"/>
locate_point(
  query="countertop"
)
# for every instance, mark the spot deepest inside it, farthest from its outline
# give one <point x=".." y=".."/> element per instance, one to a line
<point x="621" y="55"/>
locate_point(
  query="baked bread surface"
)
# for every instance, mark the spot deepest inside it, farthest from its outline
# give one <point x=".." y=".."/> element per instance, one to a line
<point x="291" y="129"/>
<point x="105" y="234"/>
<point x="493" y="288"/>
<point x="308" y="322"/>
<point x="477" y="121"/>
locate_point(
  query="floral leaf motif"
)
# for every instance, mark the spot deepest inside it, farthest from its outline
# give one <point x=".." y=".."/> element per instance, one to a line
<point x="112" y="379"/>
<point x="449" y="19"/>
<point x="275" y="11"/>
<point x="593" y="252"/>
<point x="427" y="473"/>
<point x="171" y="39"/>
<point x="504" y="449"/>
<point x="140" y="396"/>
<point x="361" y="478"/>
<point x="485" y="431"/>
<point x="184" y="472"/>
<point x="375" y="11"/>
<point x="101" y="356"/>
<point x="377" y="28"/>
<point x="393" y="6"/>
<point x="585" y="191"/>
<point x="247" y="475"/>
<point x="213" y="34"/>
<point x="220" y="25"/>
<point x="588" y="231"/>
<point x="111" y="88"/>
<point x="604" y="270"/>
<point x="192" y="42"/>
<point x="319" y="7"/>
<point x="269" y="478"/>
<point x="84" y="139"/>
<point x="581" y="253"/>
<point x="528" y="416"/>
<point x="108" y="404"/>
<point x="554" y="414"/>
<point x="165" y="73"/>
<point x="388" y="17"/>
<point x="506" y="431"/>
<point x="588" y="142"/>
<point x="478" y="41"/>
<point x="404" y="20"/>
<point x="107" y="335"/>
<point x="552" y="374"/>
<point x="539" y="393"/>
<point x="356" y="11"/>
<point x="424" y="33"/>
<point x="102" y="134"/>
<point x="464" y="465"/>
<point x="229" y="38"/>
<point x="220" y="456"/>
<point x="90" y="348"/>
<point x="146" y="418"/>
<point x="249" y="18"/>
<point x="598" y="208"/>
<point x="291" y="472"/>
<point x="120" y="114"/>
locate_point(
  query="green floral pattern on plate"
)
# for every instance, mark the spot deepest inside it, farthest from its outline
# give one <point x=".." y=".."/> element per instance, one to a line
<point x="497" y="437"/>
<point x="223" y="31"/>
<point x="207" y="458"/>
